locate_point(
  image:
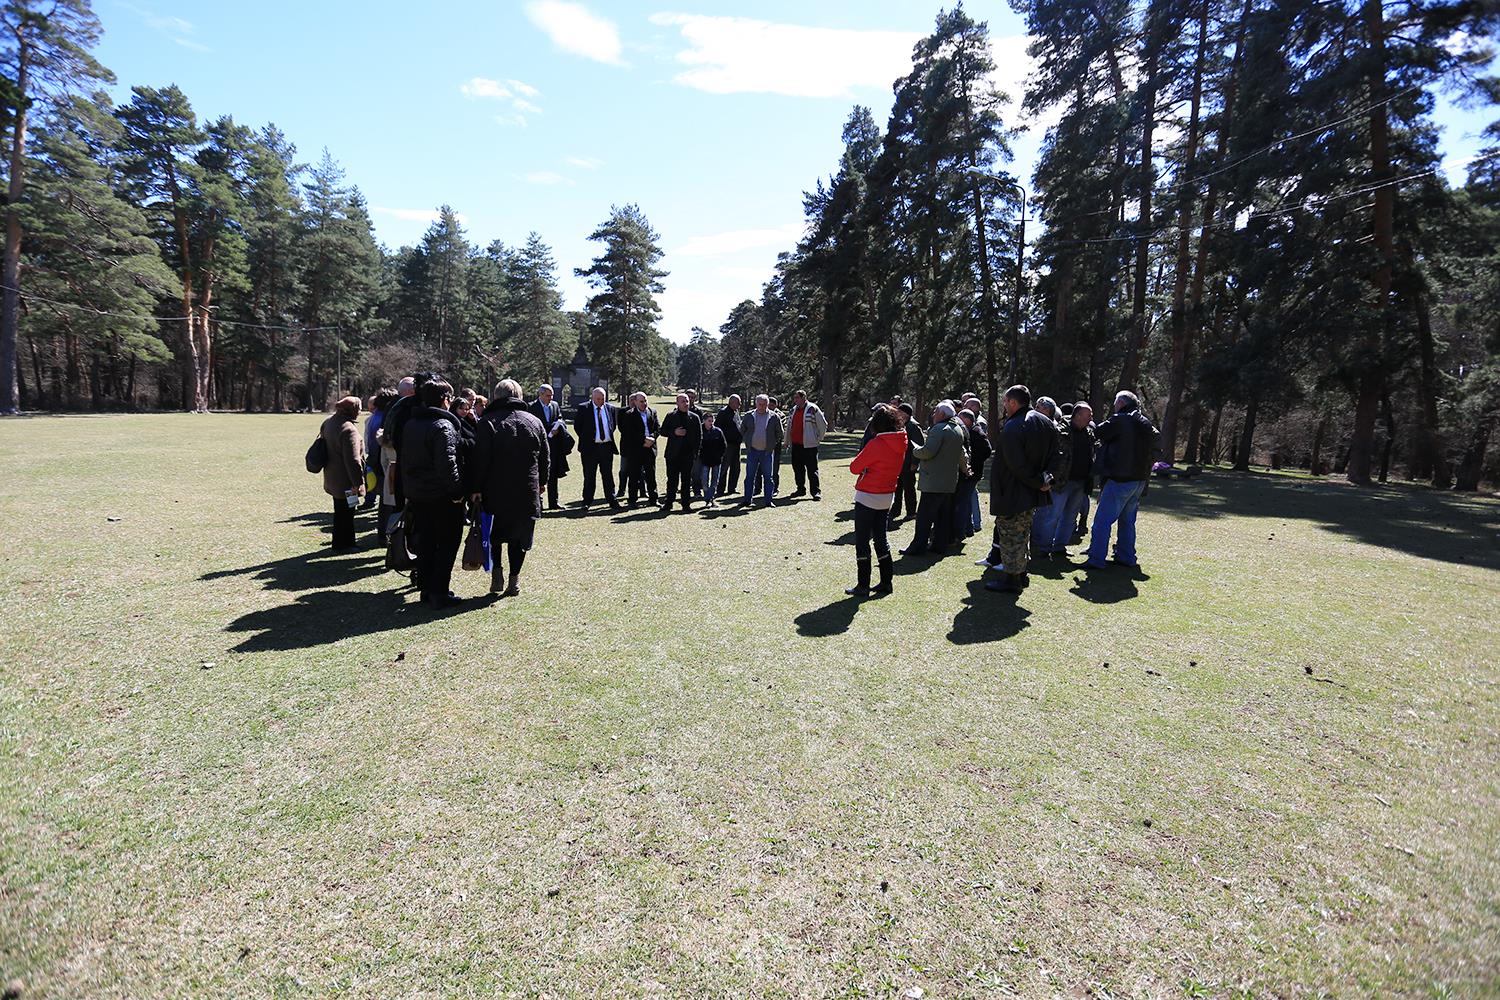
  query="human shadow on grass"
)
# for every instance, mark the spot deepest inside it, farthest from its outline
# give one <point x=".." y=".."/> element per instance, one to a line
<point x="1429" y="524"/>
<point x="988" y="617"/>
<point x="328" y="616"/>
<point x="322" y="567"/>
<point x="832" y="619"/>
<point x="1108" y="586"/>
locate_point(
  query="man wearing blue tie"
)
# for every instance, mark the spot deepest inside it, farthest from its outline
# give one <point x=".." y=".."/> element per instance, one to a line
<point x="550" y="414"/>
<point x="596" y="422"/>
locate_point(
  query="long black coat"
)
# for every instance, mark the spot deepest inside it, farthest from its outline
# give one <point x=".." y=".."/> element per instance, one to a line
<point x="1029" y="446"/>
<point x="511" y="462"/>
<point x="682" y="449"/>
<point x="433" y="455"/>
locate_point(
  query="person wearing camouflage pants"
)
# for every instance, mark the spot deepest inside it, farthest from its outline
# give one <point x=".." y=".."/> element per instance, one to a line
<point x="1013" y="541"/>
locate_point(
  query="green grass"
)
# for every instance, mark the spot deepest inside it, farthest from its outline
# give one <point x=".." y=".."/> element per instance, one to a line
<point x="683" y="764"/>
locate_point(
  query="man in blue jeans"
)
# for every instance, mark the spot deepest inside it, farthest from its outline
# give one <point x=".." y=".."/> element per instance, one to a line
<point x="761" y="431"/>
<point x="1128" y="444"/>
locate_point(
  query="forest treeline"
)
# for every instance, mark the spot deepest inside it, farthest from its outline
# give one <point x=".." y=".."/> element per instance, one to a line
<point x="1240" y="211"/>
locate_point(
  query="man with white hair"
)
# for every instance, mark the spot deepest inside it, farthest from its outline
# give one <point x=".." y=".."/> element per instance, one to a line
<point x="940" y="463"/>
<point x="549" y="414"/>
<point x="762" y="433"/>
<point x="1129" y="444"/>
<point x="596" y="423"/>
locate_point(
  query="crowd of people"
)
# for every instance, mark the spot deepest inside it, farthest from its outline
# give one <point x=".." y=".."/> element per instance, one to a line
<point x="433" y="461"/>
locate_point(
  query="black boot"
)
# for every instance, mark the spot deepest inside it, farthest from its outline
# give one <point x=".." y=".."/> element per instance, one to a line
<point x="497" y="575"/>
<point x="862" y="574"/>
<point x="1009" y="583"/>
<point x="887" y="573"/>
<point x="517" y="559"/>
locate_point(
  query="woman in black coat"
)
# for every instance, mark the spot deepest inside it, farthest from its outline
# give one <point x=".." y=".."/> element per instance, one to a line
<point x="509" y="477"/>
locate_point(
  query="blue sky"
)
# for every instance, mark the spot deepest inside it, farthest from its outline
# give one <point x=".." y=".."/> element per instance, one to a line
<point x="539" y="115"/>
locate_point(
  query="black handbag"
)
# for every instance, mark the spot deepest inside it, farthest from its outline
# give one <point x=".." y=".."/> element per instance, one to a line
<point x="317" y="454"/>
<point x="398" y="555"/>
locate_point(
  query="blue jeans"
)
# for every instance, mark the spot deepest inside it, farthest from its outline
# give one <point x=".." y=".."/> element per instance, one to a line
<point x="710" y="479"/>
<point x="1069" y="501"/>
<point x="1044" y="527"/>
<point x="1117" y="502"/>
<point x="975" y="516"/>
<point x="759" y="463"/>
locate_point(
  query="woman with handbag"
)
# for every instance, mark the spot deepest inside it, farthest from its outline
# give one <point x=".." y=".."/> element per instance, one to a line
<point x="344" y="472"/>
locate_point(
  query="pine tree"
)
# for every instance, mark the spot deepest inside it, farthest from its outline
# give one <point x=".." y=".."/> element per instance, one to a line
<point x="623" y="314"/>
<point x="538" y="335"/>
<point x="44" y="47"/>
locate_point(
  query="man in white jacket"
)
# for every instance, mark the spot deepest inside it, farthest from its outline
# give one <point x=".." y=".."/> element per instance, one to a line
<point x="806" y="426"/>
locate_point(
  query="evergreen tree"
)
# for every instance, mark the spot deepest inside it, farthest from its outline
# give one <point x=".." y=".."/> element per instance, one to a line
<point x="44" y="48"/>
<point x="623" y="313"/>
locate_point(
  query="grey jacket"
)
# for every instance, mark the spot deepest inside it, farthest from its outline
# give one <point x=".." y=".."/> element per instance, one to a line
<point x="774" y="436"/>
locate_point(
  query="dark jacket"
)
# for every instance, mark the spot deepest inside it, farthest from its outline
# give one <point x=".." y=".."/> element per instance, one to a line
<point x="1029" y="447"/>
<point x="583" y="423"/>
<point x="511" y="463"/>
<point x="728" y="421"/>
<point x="633" y="432"/>
<point x="559" y="444"/>
<point x="432" y="455"/>
<point x="685" y="448"/>
<point x="711" y="451"/>
<point x="1128" y="446"/>
<point x="980" y="451"/>
<point x="1081" y="466"/>
<point x="396" y="416"/>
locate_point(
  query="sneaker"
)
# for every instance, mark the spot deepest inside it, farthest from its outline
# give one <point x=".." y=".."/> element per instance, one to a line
<point x="818" y="497"/>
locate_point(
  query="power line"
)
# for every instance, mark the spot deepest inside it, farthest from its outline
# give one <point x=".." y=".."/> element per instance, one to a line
<point x="160" y="319"/>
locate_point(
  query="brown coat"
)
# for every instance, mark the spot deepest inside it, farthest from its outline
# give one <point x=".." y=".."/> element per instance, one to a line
<point x="346" y="456"/>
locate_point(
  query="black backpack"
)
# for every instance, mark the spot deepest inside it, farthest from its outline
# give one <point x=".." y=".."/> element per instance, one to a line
<point x="317" y="454"/>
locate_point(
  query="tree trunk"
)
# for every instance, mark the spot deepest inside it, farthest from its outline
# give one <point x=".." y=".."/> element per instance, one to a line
<point x="1371" y="383"/>
<point x="1177" y="379"/>
<point x="10" y="271"/>
<point x="1194" y="435"/>
<point x="1138" y="324"/>
<point x="1471" y="469"/>
<point x="1431" y="451"/>
<point x="1390" y="435"/>
<point x="1247" y="435"/>
<point x="1316" y="465"/>
<point x="1213" y="436"/>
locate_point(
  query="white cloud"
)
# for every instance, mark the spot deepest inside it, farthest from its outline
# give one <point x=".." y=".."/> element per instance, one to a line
<point x="585" y="162"/>
<point x="188" y="43"/>
<point x="576" y="29"/>
<point x="512" y="92"/>
<point x="168" y="24"/>
<point x="524" y="89"/>
<point x="737" y="240"/>
<point x="413" y="214"/>
<point x="548" y="177"/>
<point x="732" y="55"/>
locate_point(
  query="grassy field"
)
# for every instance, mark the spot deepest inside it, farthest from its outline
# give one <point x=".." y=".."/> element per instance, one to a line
<point x="683" y="764"/>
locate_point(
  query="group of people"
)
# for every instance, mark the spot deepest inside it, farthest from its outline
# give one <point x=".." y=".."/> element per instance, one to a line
<point x="1046" y="459"/>
<point x="437" y="460"/>
<point x="702" y="449"/>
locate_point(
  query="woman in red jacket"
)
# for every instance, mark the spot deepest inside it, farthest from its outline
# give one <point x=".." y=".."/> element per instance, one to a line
<point x="878" y="466"/>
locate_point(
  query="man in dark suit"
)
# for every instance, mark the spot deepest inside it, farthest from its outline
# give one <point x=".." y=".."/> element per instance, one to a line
<point x="683" y="433"/>
<point x="550" y="414"/>
<point x="728" y="421"/>
<point x="638" y="430"/>
<point x="596" y="422"/>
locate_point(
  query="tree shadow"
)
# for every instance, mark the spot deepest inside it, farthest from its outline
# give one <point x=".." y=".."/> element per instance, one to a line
<point x="1449" y="527"/>
<point x="328" y="616"/>
<point x="832" y="619"/>
<point x="987" y="617"/>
